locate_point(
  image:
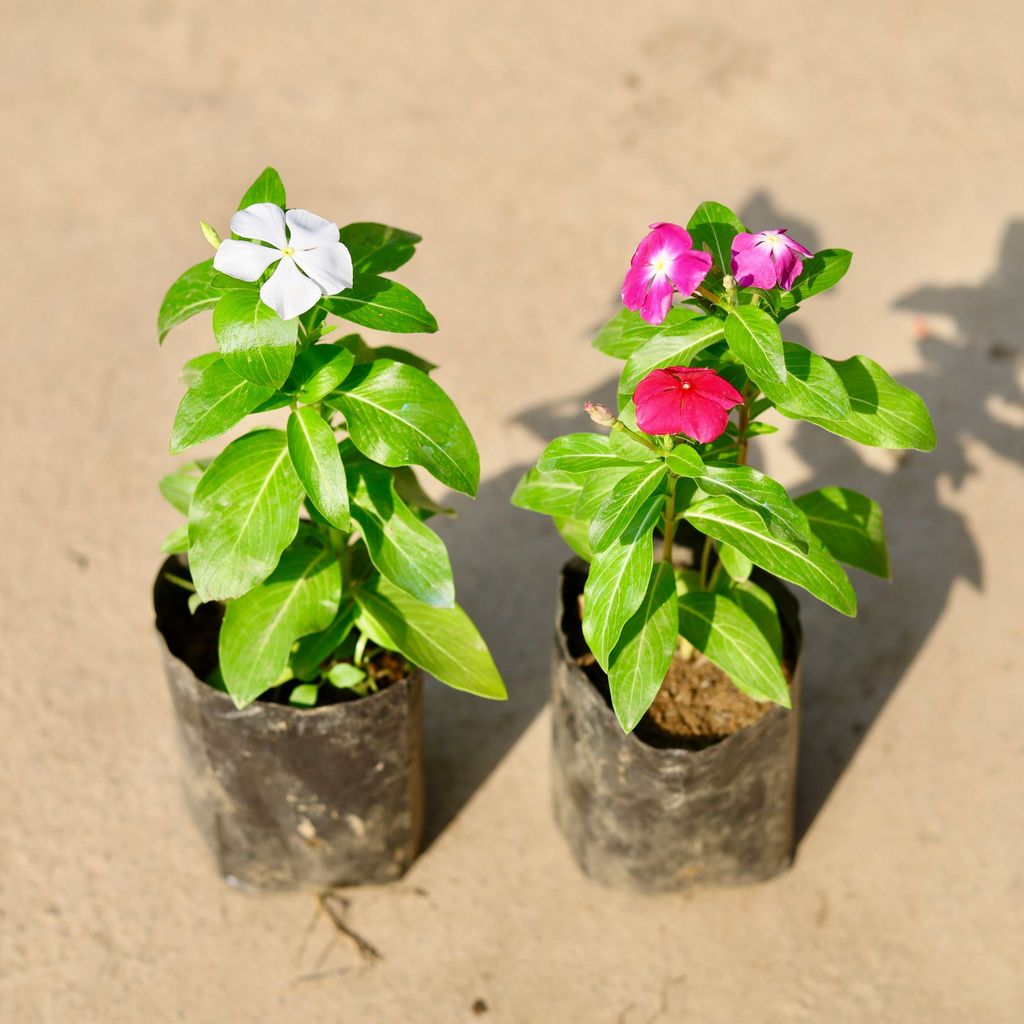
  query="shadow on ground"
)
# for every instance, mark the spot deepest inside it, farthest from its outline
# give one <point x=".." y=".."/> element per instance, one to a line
<point x="506" y="560"/>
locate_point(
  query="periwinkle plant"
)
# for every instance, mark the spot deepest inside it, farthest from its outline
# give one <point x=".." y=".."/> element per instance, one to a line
<point x="315" y="537"/>
<point x="699" y="379"/>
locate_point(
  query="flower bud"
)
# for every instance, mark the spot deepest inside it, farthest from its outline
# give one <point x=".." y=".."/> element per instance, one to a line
<point x="600" y="414"/>
<point x="729" y="283"/>
<point x="210" y="235"/>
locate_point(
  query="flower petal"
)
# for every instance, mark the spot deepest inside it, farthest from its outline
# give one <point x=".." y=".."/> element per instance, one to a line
<point x="709" y="384"/>
<point x="659" y="299"/>
<point x="634" y="287"/>
<point x="329" y="264"/>
<point x="674" y="239"/>
<point x="753" y="267"/>
<point x="792" y="243"/>
<point x="701" y="419"/>
<point x="289" y="292"/>
<point x="787" y="268"/>
<point x="745" y="240"/>
<point x="659" y="400"/>
<point x="244" y="261"/>
<point x="264" y="221"/>
<point x="307" y="230"/>
<point x="689" y="269"/>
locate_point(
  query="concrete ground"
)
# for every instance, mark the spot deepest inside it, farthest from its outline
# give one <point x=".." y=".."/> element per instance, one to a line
<point x="530" y="143"/>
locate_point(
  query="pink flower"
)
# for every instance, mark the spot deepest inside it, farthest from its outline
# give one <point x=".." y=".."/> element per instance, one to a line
<point x="767" y="259"/>
<point x="685" y="400"/>
<point x="666" y="257"/>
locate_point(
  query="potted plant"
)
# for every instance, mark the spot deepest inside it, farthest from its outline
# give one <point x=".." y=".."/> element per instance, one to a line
<point x="676" y="670"/>
<point x="305" y="591"/>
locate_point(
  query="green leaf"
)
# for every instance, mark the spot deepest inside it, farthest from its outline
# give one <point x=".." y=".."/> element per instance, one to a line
<point x="400" y="544"/>
<point x="345" y="676"/>
<point x="761" y="494"/>
<point x="814" y="568"/>
<point x="304" y="695"/>
<point x="759" y="605"/>
<point x="314" y="649"/>
<point x="715" y="226"/>
<point x="618" y="581"/>
<point x="317" y="371"/>
<point x="376" y="248"/>
<point x="397" y="415"/>
<point x="611" y="338"/>
<point x="726" y="635"/>
<point x="176" y="542"/>
<point x="443" y="641"/>
<point x="584" y="453"/>
<point x="267" y="188"/>
<point x="383" y="305"/>
<point x="812" y="386"/>
<point x="551" y="494"/>
<point x="823" y="270"/>
<point x="642" y="656"/>
<point x="216" y="400"/>
<point x="368" y="353"/>
<point x="684" y="461"/>
<point x="252" y="339"/>
<point x="595" y="490"/>
<point x="755" y="339"/>
<point x="736" y="564"/>
<point x="677" y="347"/>
<point x="179" y="486"/>
<point x="193" y="367"/>
<point x="409" y="489"/>
<point x="190" y="294"/>
<point x="850" y="525"/>
<point x="314" y="453"/>
<point x="575" y="533"/>
<point x="244" y="513"/>
<point x="627" y="330"/>
<point x="884" y="413"/>
<point x="624" y="501"/>
<point x="299" y="597"/>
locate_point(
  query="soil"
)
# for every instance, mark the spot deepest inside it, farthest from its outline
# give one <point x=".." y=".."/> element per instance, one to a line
<point x="698" y="704"/>
<point x="193" y="638"/>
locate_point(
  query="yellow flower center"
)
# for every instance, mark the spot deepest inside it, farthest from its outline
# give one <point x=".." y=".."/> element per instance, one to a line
<point x="660" y="264"/>
<point x="686" y="387"/>
<point x="287" y="250"/>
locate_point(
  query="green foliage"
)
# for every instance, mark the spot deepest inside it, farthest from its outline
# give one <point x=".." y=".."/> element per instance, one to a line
<point x="731" y="639"/>
<point x="193" y="292"/>
<point x="609" y="496"/>
<point x="396" y="415"/>
<point x="644" y="651"/>
<point x="377" y="249"/>
<point x="383" y="305"/>
<point x="252" y="339"/>
<point x="713" y="227"/>
<point x="850" y="526"/>
<point x="267" y="188"/>
<point x="401" y="546"/>
<point x="299" y="597"/>
<point x="314" y="453"/>
<point x="244" y="513"/>
<point x="216" y="400"/>
<point x="314" y="537"/>
<point x="441" y="640"/>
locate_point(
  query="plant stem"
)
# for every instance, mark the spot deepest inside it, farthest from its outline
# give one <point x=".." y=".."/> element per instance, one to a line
<point x="741" y="430"/>
<point x="705" y="559"/>
<point x="669" y="526"/>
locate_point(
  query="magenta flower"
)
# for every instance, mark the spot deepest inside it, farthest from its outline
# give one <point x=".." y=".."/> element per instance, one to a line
<point x="665" y="258"/>
<point x="685" y="400"/>
<point x="767" y="259"/>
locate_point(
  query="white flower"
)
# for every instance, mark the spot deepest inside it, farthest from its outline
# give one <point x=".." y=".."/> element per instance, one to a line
<point x="312" y="260"/>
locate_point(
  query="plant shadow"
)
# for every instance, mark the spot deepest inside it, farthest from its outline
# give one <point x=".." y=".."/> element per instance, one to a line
<point x="968" y="380"/>
<point x="506" y="560"/>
